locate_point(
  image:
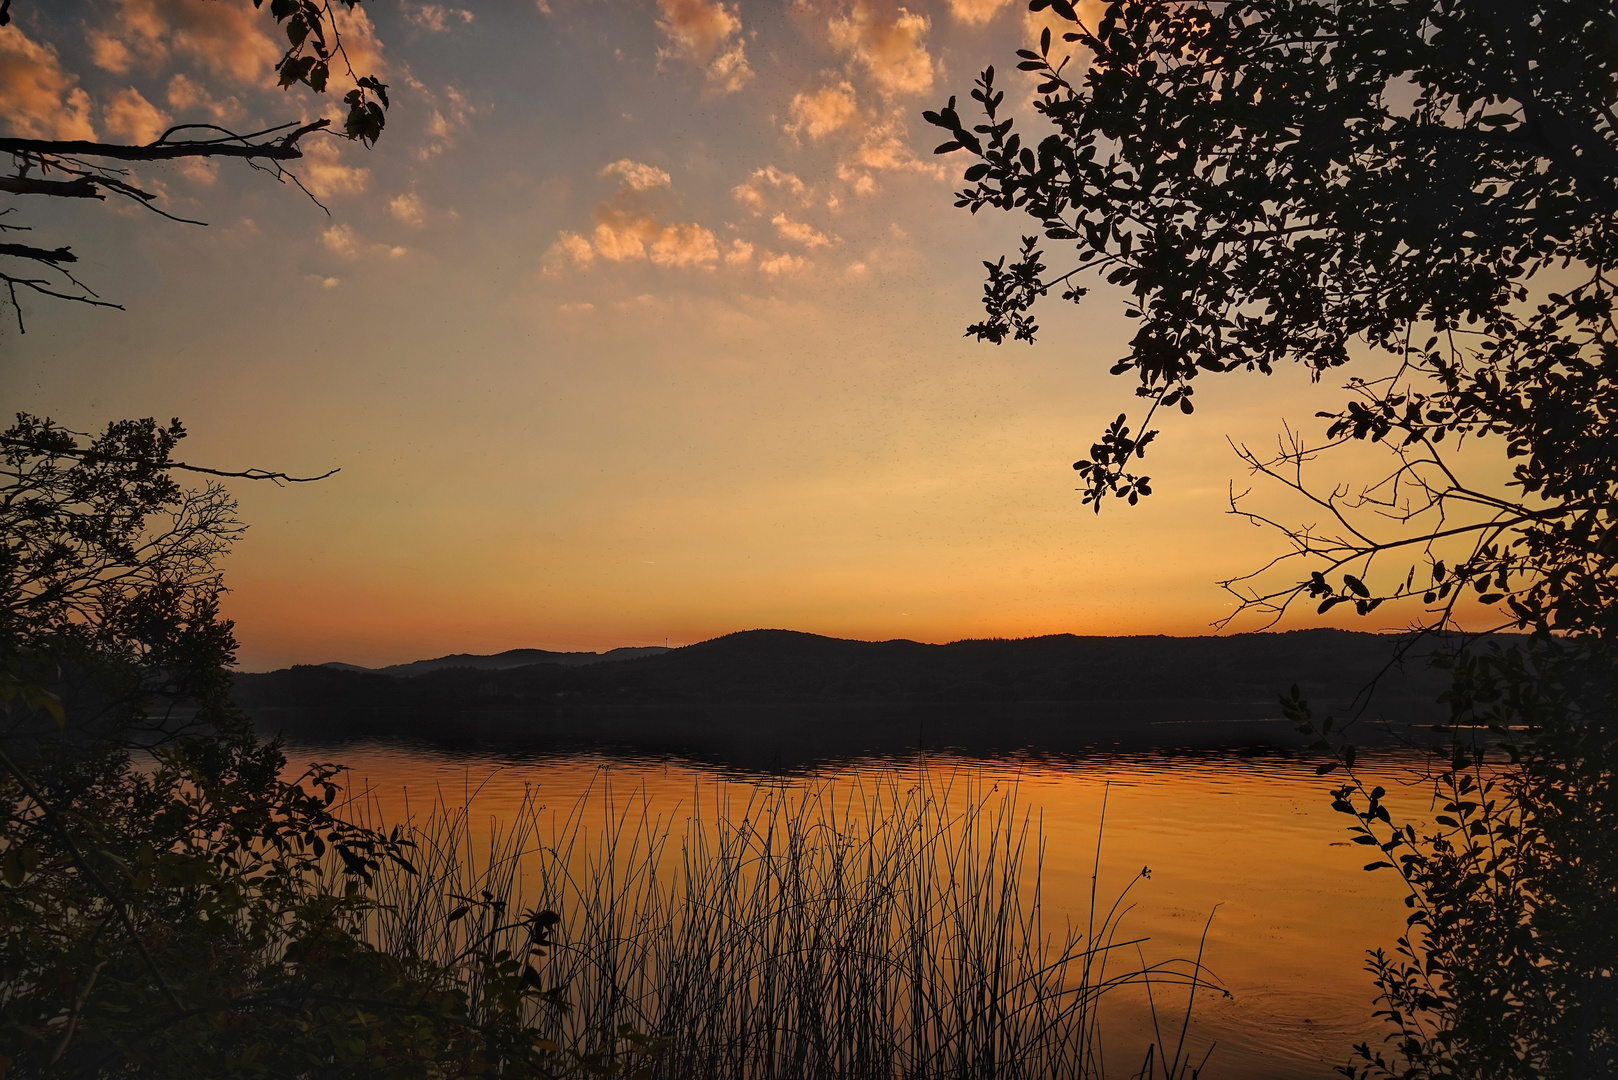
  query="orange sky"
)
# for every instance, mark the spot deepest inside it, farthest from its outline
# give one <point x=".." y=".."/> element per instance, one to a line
<point x="643" y="321"/>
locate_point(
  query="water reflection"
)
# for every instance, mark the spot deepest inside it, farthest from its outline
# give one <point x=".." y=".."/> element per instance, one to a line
<point x="1249" y="838"/>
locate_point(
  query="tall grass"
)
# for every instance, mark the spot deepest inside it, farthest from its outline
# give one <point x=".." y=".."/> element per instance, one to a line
<point x="862" y="928"/>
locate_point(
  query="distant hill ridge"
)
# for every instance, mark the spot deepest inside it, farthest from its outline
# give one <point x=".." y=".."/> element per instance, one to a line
<point x="785" y="666"/>
<point x="781" y="698"/>
<point x="511" y="658"/>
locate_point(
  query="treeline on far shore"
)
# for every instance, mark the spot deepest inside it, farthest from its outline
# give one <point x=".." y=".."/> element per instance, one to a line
<point x="814" y="695"/>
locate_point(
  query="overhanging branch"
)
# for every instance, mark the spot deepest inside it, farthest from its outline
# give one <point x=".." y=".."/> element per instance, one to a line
<point x="282" y="149"/>
<point x="82" y="188"/>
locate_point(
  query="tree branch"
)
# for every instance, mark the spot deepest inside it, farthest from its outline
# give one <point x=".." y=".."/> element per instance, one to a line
<point x="47" y="255"/>
<point x="95" y="456"/>
<point x="82" y="188"/>
<point x="283" y="149"/>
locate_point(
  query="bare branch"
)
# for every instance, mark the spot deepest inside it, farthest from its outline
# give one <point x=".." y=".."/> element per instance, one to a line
<point x="91" y="455"/>
<point x="82" y="188"/>
<point x="283" y="149"/>
<point x="46" y="255"/>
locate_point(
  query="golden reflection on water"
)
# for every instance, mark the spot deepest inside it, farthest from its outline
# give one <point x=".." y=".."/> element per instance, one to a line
<point x="1251" y="841"/>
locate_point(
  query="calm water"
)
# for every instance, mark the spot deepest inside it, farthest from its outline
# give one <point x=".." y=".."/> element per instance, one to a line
<point x="1250" y="841"/>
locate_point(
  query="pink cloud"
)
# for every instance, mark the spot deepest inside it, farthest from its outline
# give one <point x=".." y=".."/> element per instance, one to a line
<point x="38" y="100"/>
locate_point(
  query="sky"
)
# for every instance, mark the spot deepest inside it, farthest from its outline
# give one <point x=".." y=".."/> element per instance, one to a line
<point x="643" y="321"/>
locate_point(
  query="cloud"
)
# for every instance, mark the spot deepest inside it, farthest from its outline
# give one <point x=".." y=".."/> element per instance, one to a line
<point x="449" y="114"/>
<point x="684" y="245"/>
<point x="776" y="265"/>
<point x="184" y="93"/>
<point x="976" y="12"/>
<point x="225" y="38"/>
<point x="38" y="100"/>
<point x="621" y="237"/>
<point x="360" y="42"/>
<point x="132" y="116"/>
<point x="407" y="208"/>
<point x="885" y="148"/>
<point x="435" y="17"/>
<point x="325" y="175"/>
<point x="573" y="246"/>
<point x="702" y="32"/>
<point x="890" y="48"/>
<point x="828" y="109"/>
<point x="636" y="176"/>
<point x="198" y="170"/>
<point x="799" y="232"/>
<point x="342" y="241"/>
<point x="752" y="195"/>
<point x="627" y="230"/>
<point x="739" y="254"/>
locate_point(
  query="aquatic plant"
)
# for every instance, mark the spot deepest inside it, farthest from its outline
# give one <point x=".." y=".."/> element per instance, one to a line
<point x="858" y="928"/>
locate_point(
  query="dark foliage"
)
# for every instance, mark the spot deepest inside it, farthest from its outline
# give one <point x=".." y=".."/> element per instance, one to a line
<point x="1430" y="186"/>
<point x="85" y="169"/>
<point x="171" y="904"/>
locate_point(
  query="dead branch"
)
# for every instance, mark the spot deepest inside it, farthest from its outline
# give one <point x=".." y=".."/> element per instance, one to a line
<point x="230" y="145"/>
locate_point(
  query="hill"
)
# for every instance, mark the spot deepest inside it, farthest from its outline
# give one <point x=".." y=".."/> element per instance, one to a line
<point x="802" y="694"/>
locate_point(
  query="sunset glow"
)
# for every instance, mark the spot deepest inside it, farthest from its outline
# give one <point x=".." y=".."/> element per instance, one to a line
<point x="642" y="321"/>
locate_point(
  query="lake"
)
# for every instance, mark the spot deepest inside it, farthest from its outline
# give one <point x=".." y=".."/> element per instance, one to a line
<point x="1244" y="838"/>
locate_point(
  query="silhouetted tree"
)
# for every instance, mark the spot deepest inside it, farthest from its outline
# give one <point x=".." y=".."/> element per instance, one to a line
<point x="1429" y="189"/>
<point x="85" y="169"/>
<point x="170" y="904"/>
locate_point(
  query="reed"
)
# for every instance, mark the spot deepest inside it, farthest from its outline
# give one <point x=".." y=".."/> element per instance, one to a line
<point x="848" y="929"/>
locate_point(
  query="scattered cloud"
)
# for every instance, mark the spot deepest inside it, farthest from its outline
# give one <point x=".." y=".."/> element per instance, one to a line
<point x="889" y="47"/>
<point x="450" y="113"/>
<point x="575" y="247"/>
<point x="38" y="100"/>
<point x="583" y="308"/>
<point x="435" y="17"/>
<point x="776" y="265"/>
<point x="360" y="43"/>
<point x="976" y="12"/>
<point x="636" y="176"/>
<point x="621" y="237"/>
<point x="862" y="183"/>
<point x="408" y="209"/>
<point x="885" y="147"/>
<point x="198" y="170"/>
<point x="828" y="109"/>
<point x="228" y="40"/>
<point x="753" y="195"/>
<point x="627" y="229"/>
<point x="739" y="254"/>
<point x="323" y="281"/>
<point x="129" y="114"/>
<point x="342" y="241"/>
<point x="708" y="33"/>
<point x="324" y="174"/>
<point x="186" y="94"/>
<point x="799" y="232"/>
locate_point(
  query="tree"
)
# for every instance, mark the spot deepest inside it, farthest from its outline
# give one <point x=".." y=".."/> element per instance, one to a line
<point x="1429" y="189"/>
<point x="84" y="169"/>
<point x="170" y="904"/>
